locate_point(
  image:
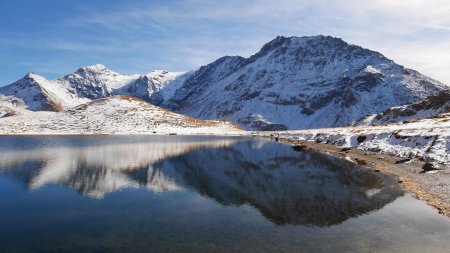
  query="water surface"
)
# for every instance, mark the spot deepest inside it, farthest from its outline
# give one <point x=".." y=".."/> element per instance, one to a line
<point x="201" y="194"/>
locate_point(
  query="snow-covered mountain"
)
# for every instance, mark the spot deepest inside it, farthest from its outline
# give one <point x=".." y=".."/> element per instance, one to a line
<point x="291" y="83"/>
<point x="37" y="93"/>
<point x="87" y="84"/>
<point x="432" y="106"/>
<point x="112" y="115"/>
<point x="300" y="83"/>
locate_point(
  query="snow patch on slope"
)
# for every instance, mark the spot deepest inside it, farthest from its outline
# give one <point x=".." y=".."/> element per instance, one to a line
<point x="114" y="115"/>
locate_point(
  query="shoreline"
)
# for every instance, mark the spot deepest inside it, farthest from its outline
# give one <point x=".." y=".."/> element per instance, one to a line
<point x="432" y="188"/>
<point x="126" y="134"/>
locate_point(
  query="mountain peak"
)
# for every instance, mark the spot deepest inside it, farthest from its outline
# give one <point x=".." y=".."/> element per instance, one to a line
<point x="96" y="67"/>
<point x="282" y="40"/>
<point x="92" y="69"/>
<point x="31" y="76"/>
<point x="157" y="72"/>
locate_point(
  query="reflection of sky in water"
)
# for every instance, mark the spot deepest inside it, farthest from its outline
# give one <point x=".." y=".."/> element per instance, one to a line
<point x="204" y="194"/>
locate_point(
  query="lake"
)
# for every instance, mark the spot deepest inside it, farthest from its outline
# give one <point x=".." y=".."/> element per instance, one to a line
<point x="201" y="194"/>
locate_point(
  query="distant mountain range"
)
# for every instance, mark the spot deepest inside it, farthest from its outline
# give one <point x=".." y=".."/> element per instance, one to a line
<point x="291" y="83"/>
<point x="87" y="84"/>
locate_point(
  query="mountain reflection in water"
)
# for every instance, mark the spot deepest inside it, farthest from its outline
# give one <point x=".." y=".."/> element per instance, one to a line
<point x="287" y="187"/>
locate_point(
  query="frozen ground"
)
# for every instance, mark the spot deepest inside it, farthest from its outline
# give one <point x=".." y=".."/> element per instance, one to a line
<point x="426" y="139"/>
<point x="114" y="115"/>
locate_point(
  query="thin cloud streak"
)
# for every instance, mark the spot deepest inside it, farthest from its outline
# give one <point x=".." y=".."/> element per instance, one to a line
<point x="182" y="35"/>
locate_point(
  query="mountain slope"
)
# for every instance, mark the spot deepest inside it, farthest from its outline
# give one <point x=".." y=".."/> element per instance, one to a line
<point x="113" y="115"/>
<point x="36" y="92"/>
<point x="298" y="83"/>
<point x="432" y="106"/>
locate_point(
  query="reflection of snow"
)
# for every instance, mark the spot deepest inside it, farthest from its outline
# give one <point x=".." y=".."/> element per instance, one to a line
<point x="158" y="182"/>
<point x="98" y="170"/>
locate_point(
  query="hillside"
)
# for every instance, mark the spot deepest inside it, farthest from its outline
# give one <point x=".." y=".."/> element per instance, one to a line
<point x="425" y="139"/>
<point x="113" y="115"/>
<point x="429" y="107"/>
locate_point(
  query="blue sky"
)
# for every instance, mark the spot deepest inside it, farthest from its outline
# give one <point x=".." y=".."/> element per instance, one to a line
<point x="55" y="37"/>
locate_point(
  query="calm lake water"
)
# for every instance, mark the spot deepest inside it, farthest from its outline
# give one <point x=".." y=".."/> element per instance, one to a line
<point x="201" y="194"/>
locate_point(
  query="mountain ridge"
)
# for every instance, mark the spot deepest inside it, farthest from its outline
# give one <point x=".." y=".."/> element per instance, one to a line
<point x="84" y="85"/>
<point x="291" y="83"/>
